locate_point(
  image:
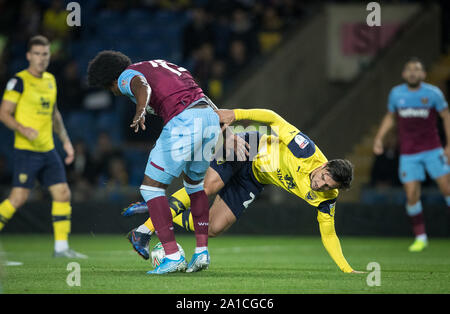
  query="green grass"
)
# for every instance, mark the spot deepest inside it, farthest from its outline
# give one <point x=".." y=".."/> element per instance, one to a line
<point x="239" y="264"/>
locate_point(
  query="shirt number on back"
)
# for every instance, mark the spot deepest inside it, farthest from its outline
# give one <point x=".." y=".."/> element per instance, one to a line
<point x="165" y="65"/>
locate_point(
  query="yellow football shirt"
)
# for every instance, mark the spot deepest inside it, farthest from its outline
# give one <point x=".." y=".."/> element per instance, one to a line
<point x="287" y="160"/>
<point x="35" y="98"/>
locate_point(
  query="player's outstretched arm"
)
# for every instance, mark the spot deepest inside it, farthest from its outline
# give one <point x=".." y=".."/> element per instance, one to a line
<point x="141" y="91"/>
<point x="286" y="131"/>
<point x="331" y="242"/>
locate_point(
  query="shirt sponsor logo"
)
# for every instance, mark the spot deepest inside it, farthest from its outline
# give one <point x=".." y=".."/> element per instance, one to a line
<point x="414" y="113"/>
<point x="311" y="196"/>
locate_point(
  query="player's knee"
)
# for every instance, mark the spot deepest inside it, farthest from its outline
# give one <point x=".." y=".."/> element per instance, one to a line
<point x="214" y="230"/>
<point x="207" y="190"/>
<point x="212" y="233"/>
<point x="18" y="199"/>
<point x="63" y="194"/>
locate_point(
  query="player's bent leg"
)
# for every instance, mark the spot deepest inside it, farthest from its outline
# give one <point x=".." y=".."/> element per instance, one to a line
<point x="220" y="217"/>
<point x="17" y="198"/>
<point x="414" y="210"/>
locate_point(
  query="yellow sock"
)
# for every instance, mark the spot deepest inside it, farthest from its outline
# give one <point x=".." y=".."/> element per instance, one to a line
<point x="61" y="212"/>
<point x="178" y="202"/>
<point x="6" y="212"/>
<point x="185" y="220"/>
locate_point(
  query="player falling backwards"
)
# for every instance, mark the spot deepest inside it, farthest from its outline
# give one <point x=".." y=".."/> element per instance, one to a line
<point x="415" y="105"/>
<point x="190" y="132"/>
<point x="290" y="160"/>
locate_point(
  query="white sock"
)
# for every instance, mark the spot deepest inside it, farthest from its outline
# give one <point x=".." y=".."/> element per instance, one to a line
<point x="61" y="245"/>
<point x="174" y="256"/>
<point x="200" y="249"/>
<point x="422" y="237"/>
<point x="143" y="229"/>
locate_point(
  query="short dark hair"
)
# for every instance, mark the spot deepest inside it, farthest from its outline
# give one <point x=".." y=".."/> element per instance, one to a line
<point x="37" y="40"/>
<point x="414" y="60"/>
<point x="341" y="171"/>
<point x="106" y="67"/>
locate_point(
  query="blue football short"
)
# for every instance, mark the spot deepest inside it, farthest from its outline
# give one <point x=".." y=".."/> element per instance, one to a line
<point x="412" y="167"/>
<point x="186" y="144"/>
<point x="46" y="167"/>
<point x="241" y="187"/>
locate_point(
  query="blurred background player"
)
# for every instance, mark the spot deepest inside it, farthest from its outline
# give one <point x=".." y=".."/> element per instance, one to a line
<point x="290" y="160"/>
<point x="415" y="106"/>
<point x="191" y="129"/>
<point x="29" y="109"/>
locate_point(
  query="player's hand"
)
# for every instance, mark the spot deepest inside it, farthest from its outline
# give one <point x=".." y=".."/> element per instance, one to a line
<point x="378" y="148"/>
<point x="237" y="145"/>
<point x="29" y="133"/>
<point x="138" y="121"/>
<point x="68" y="148"/>
<point x="226" y="117"/>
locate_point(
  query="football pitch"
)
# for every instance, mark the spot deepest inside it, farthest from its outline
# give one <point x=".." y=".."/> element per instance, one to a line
<point x="239" y="265"/>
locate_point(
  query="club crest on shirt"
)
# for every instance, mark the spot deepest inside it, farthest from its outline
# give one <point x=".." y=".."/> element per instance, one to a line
<point x="424" y="100"/>
<point x="332" y="209"/>
<point x="23" y="177"/>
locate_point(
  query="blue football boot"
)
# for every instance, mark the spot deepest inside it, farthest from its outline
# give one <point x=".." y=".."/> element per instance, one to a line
<point x="135" y="208"/>
<point x="169" y="266"/>
<point x="199" y="262"/>
<point x="140" y="242"/>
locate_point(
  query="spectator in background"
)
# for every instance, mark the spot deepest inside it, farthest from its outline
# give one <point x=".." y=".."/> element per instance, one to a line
<point x="29" y="21"/>
<point x="71" y="92"/>
<point x="117" y="173"/>
<point x="237" y="58"/>
<point x="116" y="179"/>
<point x="81" y="173"/>
<point x="270" y="34"/>
<point x="104" y="153"/>
<point x="384" y="168"/>
<point x="55" y="21"/>
<point x="197" y="32"/>
<point x="243" y="29"/>
<point x="204" y="59"/>
<point x="216" y="83"/>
